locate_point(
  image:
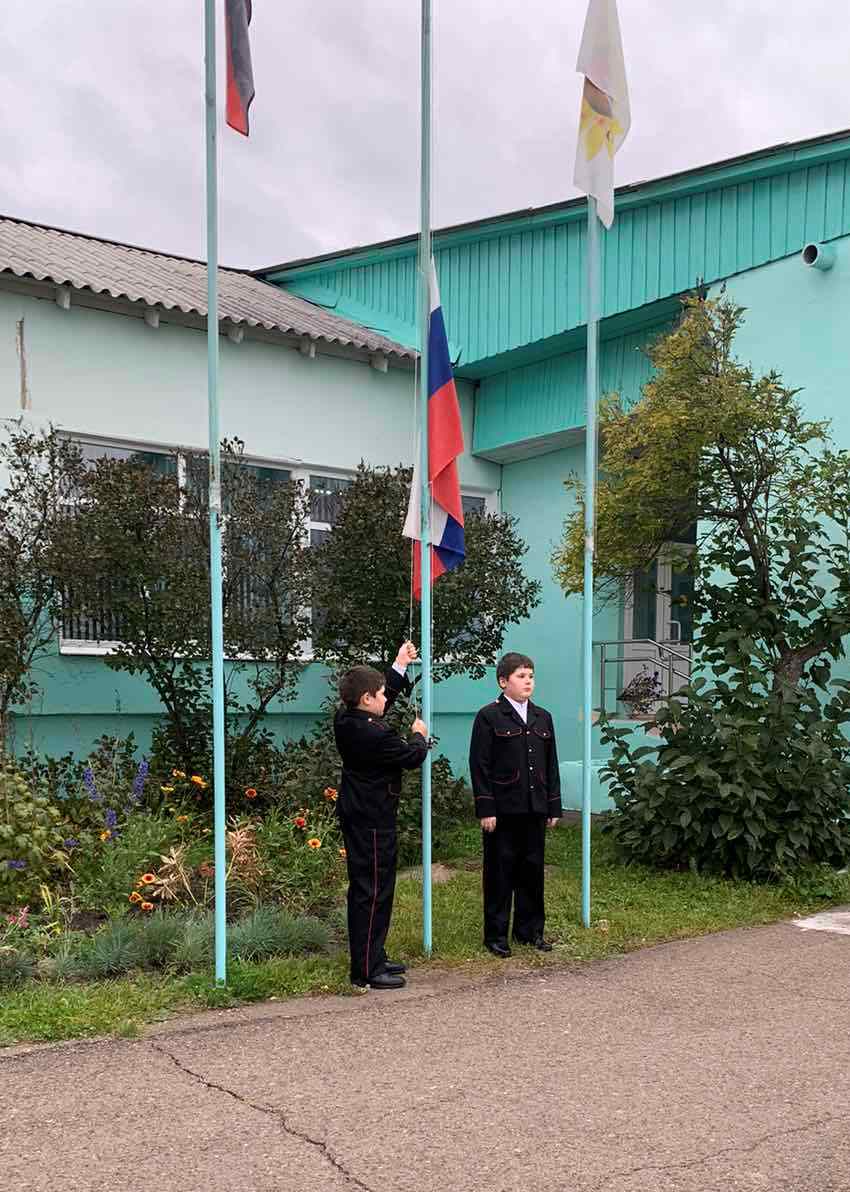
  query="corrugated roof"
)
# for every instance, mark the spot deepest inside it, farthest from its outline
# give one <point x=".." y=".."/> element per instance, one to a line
<point x="127" y="273"/>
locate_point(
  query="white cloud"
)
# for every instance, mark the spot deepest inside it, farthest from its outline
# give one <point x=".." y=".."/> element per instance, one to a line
<point x="103" y="111"/>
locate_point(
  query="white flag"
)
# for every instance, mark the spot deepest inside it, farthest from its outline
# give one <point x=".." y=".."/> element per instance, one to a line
<point x="605" y="115"/>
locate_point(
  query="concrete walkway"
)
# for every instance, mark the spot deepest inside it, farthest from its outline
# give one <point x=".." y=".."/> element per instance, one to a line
<point x="714" y="1064"/>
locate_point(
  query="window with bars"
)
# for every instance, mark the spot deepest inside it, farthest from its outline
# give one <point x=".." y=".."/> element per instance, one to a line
<point x="100" y="624"/>
<point x="326" y="496"/>
<point x="473" y="505"/>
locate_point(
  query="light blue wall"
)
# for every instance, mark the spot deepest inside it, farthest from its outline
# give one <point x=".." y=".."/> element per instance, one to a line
<point x="533" y="491"/>
<point x="107" y="374"/>
<point x="798" y="322"/>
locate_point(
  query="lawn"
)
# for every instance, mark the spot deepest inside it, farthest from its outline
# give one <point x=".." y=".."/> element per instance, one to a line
<point x="631" y="908"/>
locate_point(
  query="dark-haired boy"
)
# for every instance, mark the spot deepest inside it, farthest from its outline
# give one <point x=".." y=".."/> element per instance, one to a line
<point x="513" y="764"/>
<point x="373" y="759"/>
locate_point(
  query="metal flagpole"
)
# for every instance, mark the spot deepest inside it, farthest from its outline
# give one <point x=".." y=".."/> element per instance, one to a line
<point x="217" y="642"/>
<point x="593" y="310"/>
<point x="424" y="320"/>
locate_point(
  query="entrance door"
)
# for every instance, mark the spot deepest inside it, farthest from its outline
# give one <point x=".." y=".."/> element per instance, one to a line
<point x="658" y="613"/>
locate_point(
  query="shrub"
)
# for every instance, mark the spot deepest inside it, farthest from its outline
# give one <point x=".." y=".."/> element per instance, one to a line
<point x="157" y="938"/>
<point x="106" y="872"/>
<point x="744" y="782"/>
<point x="194" y="947"/>
<point x="30" y="837"/>
<point x="451" y="806"/>
<point x="16" y="966"/>
<point x="269" y="931"/>
<point x="303" y="876"/>
<point x="110" y="952"/>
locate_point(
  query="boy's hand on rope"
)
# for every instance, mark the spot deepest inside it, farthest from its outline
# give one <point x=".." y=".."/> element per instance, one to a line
<point x="419" y="726"/>
<point x="407" y="653"/>
<point x="488" y="824"/>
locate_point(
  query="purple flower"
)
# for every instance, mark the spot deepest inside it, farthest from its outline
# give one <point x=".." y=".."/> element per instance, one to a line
<point x="91" y="786"/>
<point x="111" y="818"/>
<point x="140" y="779"/>
<point x="71" y="844"/>
<point x="16" y="864"/>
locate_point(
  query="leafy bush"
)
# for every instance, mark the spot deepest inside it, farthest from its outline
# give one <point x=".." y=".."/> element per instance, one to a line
<point x="451" y="806"/>
<point x="301" y="857"/>
<point x="744" y="781"/>
<point x="312" y="764"/>
<point x="30" y="837"/>
<point x="105" y="874"/>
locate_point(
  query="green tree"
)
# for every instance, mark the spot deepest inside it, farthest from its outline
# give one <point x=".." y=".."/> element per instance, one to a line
<point x="145" y="585"/>
<point x="749" y="773"/>
<point x="362" y="583"/>
<point x="39" y="470"/>
<point x="713" y="443"/>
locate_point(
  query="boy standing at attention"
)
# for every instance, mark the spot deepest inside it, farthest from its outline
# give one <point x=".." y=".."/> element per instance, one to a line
<point x="373" y="759"/>
<point x="513" y="763"/>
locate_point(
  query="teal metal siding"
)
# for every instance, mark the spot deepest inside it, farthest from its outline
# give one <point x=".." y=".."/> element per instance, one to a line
<point x="520" y="282"/>
<point x="546" y="400"/>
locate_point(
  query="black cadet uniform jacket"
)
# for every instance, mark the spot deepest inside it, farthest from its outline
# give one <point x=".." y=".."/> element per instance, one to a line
<point x="373" y="759"/>
<point x="514" y="765"/>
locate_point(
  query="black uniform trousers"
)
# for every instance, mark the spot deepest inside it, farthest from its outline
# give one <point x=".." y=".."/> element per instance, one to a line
<point x="371" y="855"/>
<point x="513" y="872"/>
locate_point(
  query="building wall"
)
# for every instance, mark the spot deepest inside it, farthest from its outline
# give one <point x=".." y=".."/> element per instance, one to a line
<point x="106" y="374"/>
<point x="533" y="491"/>
<point x="797" y="322"/>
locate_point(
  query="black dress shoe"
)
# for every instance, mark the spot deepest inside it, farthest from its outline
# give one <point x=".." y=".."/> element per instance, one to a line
<point x="394" y="966"/>
<point x="500" y="950"/>
<point x="539" y="943"/>
<point x="387" y="980"/>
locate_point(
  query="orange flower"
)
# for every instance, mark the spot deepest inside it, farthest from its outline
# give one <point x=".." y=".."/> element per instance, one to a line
<point x="250" y="793"/>
<point x="181" y="819"/>
<point x="178" y="774"/>
<point x="300" y="821"/>
<point x="147" y="879"/>
<point x="147" y="906"/>
<point x="198" y="781"/>
<point x="105" y="835"/>
<point x="343" y="853"/>
<point x="135" y="896"/>
<point x="330" y="794"/>
<point x="314" y="842"/>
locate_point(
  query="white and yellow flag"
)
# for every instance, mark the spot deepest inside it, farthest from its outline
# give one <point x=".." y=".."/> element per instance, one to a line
<point x="605" y="115"/>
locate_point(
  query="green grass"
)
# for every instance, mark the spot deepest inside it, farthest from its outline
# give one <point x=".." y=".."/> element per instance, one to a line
<point x="631" y="908"/>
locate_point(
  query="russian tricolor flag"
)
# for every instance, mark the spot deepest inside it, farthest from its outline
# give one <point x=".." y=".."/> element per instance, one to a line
<point x="445" y="444"/>
<point x="240" y="75"/>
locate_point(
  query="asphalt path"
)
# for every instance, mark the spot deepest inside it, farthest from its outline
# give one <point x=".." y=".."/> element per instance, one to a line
<point x="719" y="1063"/>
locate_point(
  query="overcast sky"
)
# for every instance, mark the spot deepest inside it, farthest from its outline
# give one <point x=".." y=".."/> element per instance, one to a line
<point x="101" y="110"/>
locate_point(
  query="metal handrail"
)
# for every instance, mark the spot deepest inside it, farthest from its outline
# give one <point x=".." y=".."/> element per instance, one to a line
<point x="645" y="641"/>
<point x="664" y="659"/>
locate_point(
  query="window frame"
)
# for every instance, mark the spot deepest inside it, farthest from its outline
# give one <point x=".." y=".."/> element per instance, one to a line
<point x="297" y="471"/>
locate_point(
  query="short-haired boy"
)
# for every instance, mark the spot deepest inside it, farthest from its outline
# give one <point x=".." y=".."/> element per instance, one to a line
<point x="373" y="759"/>
<point x="513" y="764"/>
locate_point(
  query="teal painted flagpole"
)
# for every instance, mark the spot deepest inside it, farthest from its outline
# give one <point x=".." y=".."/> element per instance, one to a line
<point x="594" y="287"/>
<point x="424" y="320"/>
<point x="217" y="642"/>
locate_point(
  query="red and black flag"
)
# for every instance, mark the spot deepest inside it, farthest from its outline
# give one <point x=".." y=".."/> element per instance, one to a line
<point x="240" y="76"/>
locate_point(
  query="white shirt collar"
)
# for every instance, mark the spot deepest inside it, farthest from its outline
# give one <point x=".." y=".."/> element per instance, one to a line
<point x="522" y="708"/>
